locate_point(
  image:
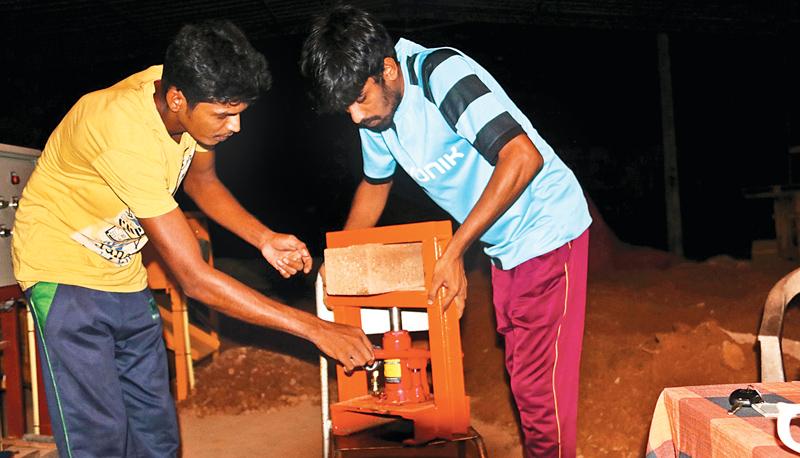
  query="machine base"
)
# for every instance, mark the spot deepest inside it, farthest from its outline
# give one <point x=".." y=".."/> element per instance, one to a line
<point x="391" y="440"/>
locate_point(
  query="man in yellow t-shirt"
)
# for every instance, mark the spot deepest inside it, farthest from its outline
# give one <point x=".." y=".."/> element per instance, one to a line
<point x="103" y="187"/>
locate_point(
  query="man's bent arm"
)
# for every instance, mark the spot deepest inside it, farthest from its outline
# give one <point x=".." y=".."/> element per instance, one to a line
<point x="518" y="163"/>
<point x="176" y="244"/>
<point x="216" y="201"/>
<point x="368" y="204"/>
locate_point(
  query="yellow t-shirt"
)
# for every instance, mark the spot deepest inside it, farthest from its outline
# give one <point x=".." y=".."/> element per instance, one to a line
<point x="109" y="161"/>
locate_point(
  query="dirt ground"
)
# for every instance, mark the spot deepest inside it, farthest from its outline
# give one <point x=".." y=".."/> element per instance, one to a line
<point x="652" y="322"/>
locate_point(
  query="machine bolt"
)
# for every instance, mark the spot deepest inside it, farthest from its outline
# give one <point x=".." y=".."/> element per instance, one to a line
<point x="14" y="202"/>
<point x="375" y="388"/>
<point x="5" y="231"/>
<point x="3" y="202"/>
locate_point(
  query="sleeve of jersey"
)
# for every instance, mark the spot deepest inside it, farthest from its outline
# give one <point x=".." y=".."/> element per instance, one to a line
<point x="379" y="164"/>
<point x="470" y="108"/>
<point x="138" y="181"/>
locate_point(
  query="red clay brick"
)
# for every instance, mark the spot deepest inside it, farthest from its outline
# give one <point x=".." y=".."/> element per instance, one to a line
<point x="374" y="268"/>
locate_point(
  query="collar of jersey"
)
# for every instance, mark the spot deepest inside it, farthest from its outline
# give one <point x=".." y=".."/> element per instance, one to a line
<point x="403" y="49"/>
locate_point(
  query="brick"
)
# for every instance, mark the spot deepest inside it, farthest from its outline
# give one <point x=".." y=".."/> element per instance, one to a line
<point x="374" y="268"/>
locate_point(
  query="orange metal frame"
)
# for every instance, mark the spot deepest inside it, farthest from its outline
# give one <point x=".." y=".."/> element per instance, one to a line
<point x="447" y="414"/>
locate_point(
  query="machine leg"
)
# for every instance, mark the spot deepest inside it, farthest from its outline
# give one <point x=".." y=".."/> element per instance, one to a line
<point x="482" y="453"/>
<point x="179" y="332"/>
<point x="12" y="368"/>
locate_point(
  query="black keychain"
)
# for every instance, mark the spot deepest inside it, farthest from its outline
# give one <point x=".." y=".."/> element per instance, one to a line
<point x="743" y="397"/>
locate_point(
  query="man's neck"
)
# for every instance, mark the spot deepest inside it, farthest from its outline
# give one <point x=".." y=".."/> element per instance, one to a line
<point x="168" y="117"/>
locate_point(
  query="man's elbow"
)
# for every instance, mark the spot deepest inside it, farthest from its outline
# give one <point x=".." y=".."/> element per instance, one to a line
<point x="521" y="157"/>
<point x="194" y="282"/>
<point x="192" y="288"/>
<point x="537" y="164"/>
<point x="530" y="165"/>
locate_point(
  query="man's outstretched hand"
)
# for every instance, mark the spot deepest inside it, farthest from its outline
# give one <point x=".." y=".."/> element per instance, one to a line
<point x="287" y="254"/>
<point x="347" y="344"/>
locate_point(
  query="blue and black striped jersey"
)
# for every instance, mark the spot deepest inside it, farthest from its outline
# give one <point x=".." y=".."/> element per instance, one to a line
<point x="453" y="120"/>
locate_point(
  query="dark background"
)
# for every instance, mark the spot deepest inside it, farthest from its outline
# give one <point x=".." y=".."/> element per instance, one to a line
<point x="588" y="81"/>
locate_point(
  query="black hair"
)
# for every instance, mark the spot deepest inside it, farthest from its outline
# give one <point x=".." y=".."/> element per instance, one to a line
<point x="346" y="46"/>
<point x="212" y="61"/>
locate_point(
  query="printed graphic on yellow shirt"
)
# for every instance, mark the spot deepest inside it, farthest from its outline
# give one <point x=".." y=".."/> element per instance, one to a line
<point x="114" y="242"/>
<point x="188" y="155"/>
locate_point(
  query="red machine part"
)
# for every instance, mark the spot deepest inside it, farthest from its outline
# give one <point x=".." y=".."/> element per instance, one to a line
<point x="14" y="408"/>
<point x="11" y="349"/>
<point x="404" y="369"/>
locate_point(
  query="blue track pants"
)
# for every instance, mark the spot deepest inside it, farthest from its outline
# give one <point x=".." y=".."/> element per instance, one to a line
<point x="105" y="372"/>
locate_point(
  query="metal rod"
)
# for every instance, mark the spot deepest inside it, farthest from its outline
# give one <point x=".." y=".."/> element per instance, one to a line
<point x="323" y="377"/>
<point x="396" y="323"/>
<point x="34" y="371"/>
<point x="187" y="341"/>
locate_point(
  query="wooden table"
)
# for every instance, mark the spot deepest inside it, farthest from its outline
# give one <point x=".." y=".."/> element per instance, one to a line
<point x="694" y="422"/>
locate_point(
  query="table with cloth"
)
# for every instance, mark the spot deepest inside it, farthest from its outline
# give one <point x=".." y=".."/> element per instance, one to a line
<point x="694" y="422"/>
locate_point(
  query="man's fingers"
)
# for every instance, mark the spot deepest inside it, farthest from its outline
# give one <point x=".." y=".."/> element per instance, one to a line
<point x="459" y="303"/>
<point x="298" y="259"/>
<point x="448" y="298"/>
<point x="348" y="360"/>
<point x="356" y="358"/>
<point x="291" y="265"/>
<point x="308" y="262"/>
<point x="370" y="357"/>
<point x="360" y="351"/>
<point x="435" y="285"/>
<point x="281" y="270"/>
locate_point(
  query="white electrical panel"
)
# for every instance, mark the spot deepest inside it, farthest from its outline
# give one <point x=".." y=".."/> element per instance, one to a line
<point x="16" y="166"/>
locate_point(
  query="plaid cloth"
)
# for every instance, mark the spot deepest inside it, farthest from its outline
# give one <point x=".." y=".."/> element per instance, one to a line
<point x="693" y="422"/>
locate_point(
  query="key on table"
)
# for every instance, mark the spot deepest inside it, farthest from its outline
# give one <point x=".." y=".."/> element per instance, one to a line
<point x="743" y="397"/>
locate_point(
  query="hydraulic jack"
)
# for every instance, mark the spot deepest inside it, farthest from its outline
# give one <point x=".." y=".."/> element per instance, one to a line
<point x="404" y="367"/>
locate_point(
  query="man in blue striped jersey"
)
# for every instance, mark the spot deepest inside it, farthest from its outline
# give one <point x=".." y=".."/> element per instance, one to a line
<point x="452" y="128"/>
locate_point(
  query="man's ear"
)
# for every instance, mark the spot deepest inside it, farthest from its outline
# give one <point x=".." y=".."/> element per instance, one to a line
<point x="175" y="99"/>
<point x="390" y="69"/>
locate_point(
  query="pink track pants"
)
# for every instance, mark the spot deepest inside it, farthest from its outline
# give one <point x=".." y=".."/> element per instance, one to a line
<point x="540" y="307"/>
